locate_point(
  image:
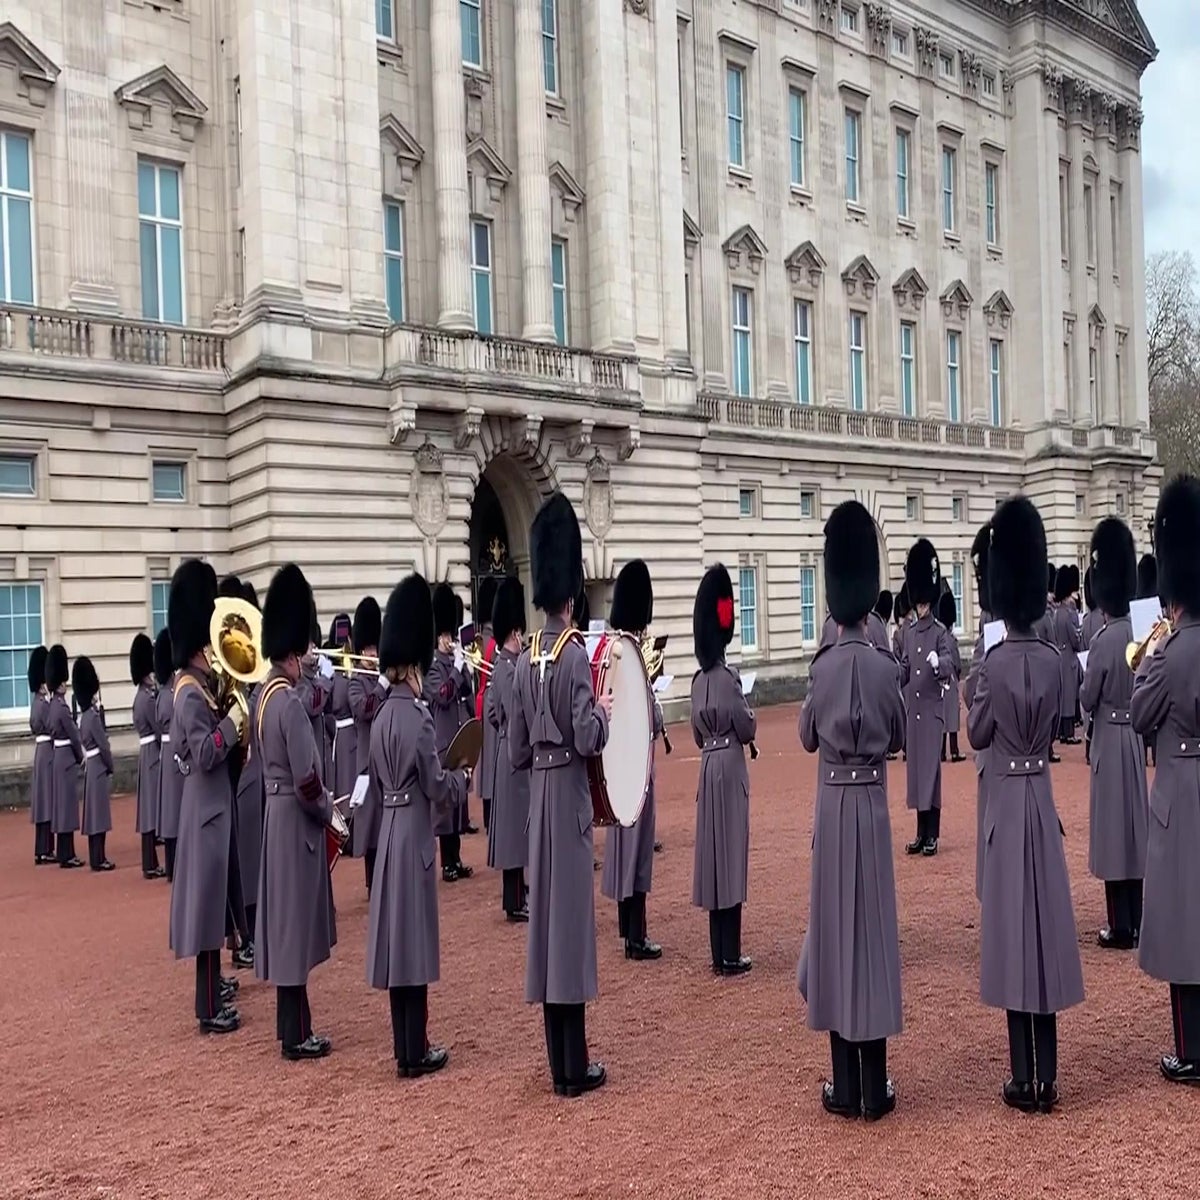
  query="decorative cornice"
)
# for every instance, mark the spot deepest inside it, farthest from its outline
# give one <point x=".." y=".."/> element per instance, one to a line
<point x="956" y="298"/>
<point x="162" y="87"/>
<point x="568" y="189"/>
<point x="744" y="248"/>
<point x="805" y="265"/>
<point x="409" y="152"/>
<point x="495" y="170"/>
<point x="879" y="29"/>
<point x="36" y="73"/>
<point x="999" y="309"/>
<point x="927" y="42"/>
<point x="860" y="276"/>
<point x="910" y="289"/>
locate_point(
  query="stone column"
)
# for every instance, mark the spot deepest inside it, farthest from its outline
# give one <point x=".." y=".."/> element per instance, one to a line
<point x="450" y="168"/>
<point x="1078" y="97"/>
<point x="1104" y="119"/>
<point x="532" y="179"/>
<point x="670" y="152"/>
<point x="1136" y="410"/>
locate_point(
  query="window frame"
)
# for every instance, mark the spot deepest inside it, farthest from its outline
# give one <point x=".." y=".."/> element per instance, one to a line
<point x="802" y="304"/>
<point x="177" y="463"/>
<point x="858" y="403"/>
<point x="476" y="6"/>
<point x="954" y="376"/>
<point x="909" y="394"/>
<point x="30" y="460"/>
<point x="158" y="587"/>
<point x="20" y="651"/>
<point x="397" y="256"/>
<point x="912" y="506"/>
<point x="560" y="291"/>
<point x="992" y="209"/>
<point x="852" y="119"/>
<point x="550" y="42"/>
<point x="9" y="196"/>
<point x="809" y="636"/>
<point x="797" y="137"/>
<point x="958" y="576"/>
<point x="903" y="137"/>
<point x="996" y="381"/>
<point x="849" y="19"/>
<point x="388" y="35"/>
<point x="159" y="223"/>
<point x="754" y="647"/>
<point x="487" y="271"/>
<point x="734" y="68"/>
<point x="754" y="492"/>
<point x="814" y="494"/>
<point x="1089" y="221"/>
<point x="948" y="190"/>
<point x="744" y="331"/>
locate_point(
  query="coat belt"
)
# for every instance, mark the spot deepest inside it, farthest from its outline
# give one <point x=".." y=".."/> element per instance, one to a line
<point x="1009" y="766"/>
<point x="1184" y="748"/>
<point x="92" y="753"/>
<point x="1113" y="716"/>
<point x="59" y="743"/>
<point x="549" y="758"/>
<point x="343" y="723"/>
<point x="145" y="741"/>
<point x="853" y="774"/>
<point x="41" y="737"/>
<point x="398" y="799"/>
<point x="165" y="739"/>
<point x="719" y="743"/>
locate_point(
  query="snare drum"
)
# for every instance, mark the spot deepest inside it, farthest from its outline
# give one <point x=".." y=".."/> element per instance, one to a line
<point x="619" y="777"/>
<point x="337" y="834"/>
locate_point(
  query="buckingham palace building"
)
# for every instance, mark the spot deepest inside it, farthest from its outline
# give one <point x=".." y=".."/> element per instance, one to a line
<point x="357" y="283"/>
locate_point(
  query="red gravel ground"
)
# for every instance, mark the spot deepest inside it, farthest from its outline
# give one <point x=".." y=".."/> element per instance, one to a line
<point x="713" y="1083"/>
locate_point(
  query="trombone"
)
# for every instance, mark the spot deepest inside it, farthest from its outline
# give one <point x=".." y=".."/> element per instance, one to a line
<point x="473" y="653"/>
<point x="1136" y="652"/>
<point x="235" y="638"/>
<point x="358" y="664"/>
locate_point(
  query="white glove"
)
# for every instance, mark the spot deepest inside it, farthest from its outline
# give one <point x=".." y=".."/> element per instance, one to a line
<point x="358" y="795"/>
<point x="238" y="718"/>
<point x="932" y="660"/>
<point x="384" y="682"/>
<point x="324" y="667"/>
<point x="466" y="666"/>
<point x="459" y="658"/>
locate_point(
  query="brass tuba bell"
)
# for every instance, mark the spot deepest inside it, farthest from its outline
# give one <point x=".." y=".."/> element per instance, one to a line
<point x="235" y="635"/>
<point x="1136" y="652"/>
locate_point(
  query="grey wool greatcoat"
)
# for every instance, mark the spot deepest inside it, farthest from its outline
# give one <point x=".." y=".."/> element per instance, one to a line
<point x="950" y="701"/>
<point x="1069" y="640"/>
<point x="723" y="725"/>
<point x="508" y="830"/>
<point x="314" y="693"/>
<point x="64" y="768"/>
<point x="97" y="771"/>
<point x="629" y="853"/>
<point x="41" y="803"/>
<point x="202" y="743"/>
<point x="1093" y="622"/>
<point x="969" y="685"/>
<point x="250" y="806"/>
<point x="451" y="699"/>
<point x="1119" y="808"/>
<point x="170" y="782"/>
<point x="926" y="707"/>
<point x="343" y="755"/>
<point x="1029" y="958"/>
<point x="553" y="727"/>
<point x="853" y="716"/>
<point x="294" y="927"/>
<point x="366" y="696"/>
<point x="876" y="631"/>
<point x="145" y="721"/>
<point x="1044" y="627"/>
<point x="402" y="929"/>
<point x="486" y="778"/>
<point x="1166" y="702"/>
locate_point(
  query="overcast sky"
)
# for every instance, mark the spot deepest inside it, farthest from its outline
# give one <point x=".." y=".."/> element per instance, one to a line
<point x="1171" y="132"/>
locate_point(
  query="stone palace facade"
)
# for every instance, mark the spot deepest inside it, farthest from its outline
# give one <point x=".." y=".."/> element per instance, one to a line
<point x="357" y="282"/>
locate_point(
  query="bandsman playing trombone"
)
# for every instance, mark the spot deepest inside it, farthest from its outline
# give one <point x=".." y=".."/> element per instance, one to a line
<point x="366" y="695"/>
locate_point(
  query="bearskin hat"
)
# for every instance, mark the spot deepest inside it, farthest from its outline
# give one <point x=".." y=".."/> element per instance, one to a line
<point x="164" y="668"/>
<point x="851" y="563"/>
<point x="314" y="627"/>
<point x="903" y="604"/>
<point x="1016" y="564"/>
<point x="633" y="598"/>
<point x="712" y="617"/>
<point x="1065" y="582"/>
<point x="85" y="683"/>
<point x="445" y="610"/>
<point x="883" y="606"/>
<point x="287" y="615"/>
<point x="249" y="594"/>
<point x="1051" y="578"/>
<point x="407" y="637"/>
<point x="231" y="588"/>
<point x="1147" y="577"/>
<point x="581" y="610"/>
<point x="922" y="574"/>
<point x="57" y="669"/>
<point x="1089" y="597"/>
<point x="947" y="610"/>
<point x="1113" y="573"/>
<point x="37" y="669"/>
<point x="508" y="612"/>
<point x="141" y="658"/>
<point x="1177" y="543"/>
<point x="979" y="560"/>
<point x="486" y="602"/>
<point x="339" y="631"/>
<point x="556" y="553"/>
<point x="190" y="608"/>
<point x="368" y="621"/>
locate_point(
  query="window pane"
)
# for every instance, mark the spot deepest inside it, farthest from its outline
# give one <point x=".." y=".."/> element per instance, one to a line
<point x="558" y="269"/>
<point x="20" y="632"/>
<point x="393" y="233"/>
<point x="149" y="252"/>
<point x="469" y="16"/>
<point x="172" y="275"/>
<point x="19" y="227"/>
<point x="159" y="592"/>
<point x="394" y="277"/>
<point x="383" y="18"/>
<point x="748" y="603"/>
<point x="483" y="303"/>
<point x="168" y="481"/>
<point x="482" y="243"/>
<point x="147" y="205"/>
<point x="168" y="193"/>
<point x="808" y="604"/>
<point x="796" y="115"/>
<point x="16" y="161"/>
<point x="16" y="476"/>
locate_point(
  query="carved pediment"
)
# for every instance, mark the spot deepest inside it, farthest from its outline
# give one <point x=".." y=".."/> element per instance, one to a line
<point x="569" y="192"/>
<point x="1096" y="317"/>
<point x="999" y="309"/>
<point x="691" y="232"/>
<point x="745" y="248"/>
<point x="161" y="90"/>
<point x="1116" y="23"/>
<point x="484" y="162"/>
<point x="805" y="264"/>
<point x="910" y="289"/>
<point x="408" y="151"/>
<point x="35" y="73"/>
<point x="860" y="277"/>
<point x="956" y="299"/>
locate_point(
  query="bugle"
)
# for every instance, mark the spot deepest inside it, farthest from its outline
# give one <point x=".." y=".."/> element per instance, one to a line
<point x="1136" y="652"/>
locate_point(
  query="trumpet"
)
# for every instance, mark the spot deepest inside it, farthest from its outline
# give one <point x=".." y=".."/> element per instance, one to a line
<point x="235" y="637"/>
<point x="1136" y="652"/>
<point x="357" y="664"/>
<point x="473" y="653"/>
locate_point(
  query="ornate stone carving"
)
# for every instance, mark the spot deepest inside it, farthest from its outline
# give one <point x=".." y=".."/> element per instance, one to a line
<point x="860" y="277"/>
<point x="35" y="72"/>
<point x="691" y="237"/>
<point x="531" y="431"/>
<point x="402" y="420"/>
<point x="1052" y="86"/>
<point x="1129" y="127"/>
<point x="910" y="289"/>
<point x="1079" y="98"/>
<point x="466" y="427"/>
<point x="805" y="266"/>
<point x="570" y="194"/>
<point x="429" y="491"/>
<point x="484" y="163"/>
<point x="1104" y="118"/>
<point x="598" y="497"/>
<point x="162" y="89"/>
<point x="827" y="15"/>
<point x="404" y="146"/>
<point x="639" y="8"/>
<point x="745" y="248"/>
<point x="1008" y="88"/>
<point x="879" y="29"/>
<point x="631" y="439"/>
<point x="971" y="69"/>
<point x="579" y="437"/>
<point x="927" y="50"/>
<point x="999" y="310"/>
<point x="956" y="299"/>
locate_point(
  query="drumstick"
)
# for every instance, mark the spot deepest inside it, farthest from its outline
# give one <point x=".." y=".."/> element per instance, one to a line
<point x="666" y="742"/>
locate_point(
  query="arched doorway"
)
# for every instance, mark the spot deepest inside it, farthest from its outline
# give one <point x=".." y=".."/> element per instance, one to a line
<point x="502" y="510"/>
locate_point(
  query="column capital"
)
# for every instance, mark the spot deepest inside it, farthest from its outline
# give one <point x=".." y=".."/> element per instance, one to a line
<point x="1129" y="127"/>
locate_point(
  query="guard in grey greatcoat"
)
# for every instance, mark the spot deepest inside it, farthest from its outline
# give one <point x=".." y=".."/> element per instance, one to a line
<point x="1029" y="958"/>
<point x="629" y="852"/>
<point x="926" y="659"/>
<point x="170" y="782"/>
<point x="203" y="741"/>
<point x="979" y="563"/>
<point x="1093" y="622"/>
<point x="557" y="723"/>
<point x="1166" y="702"/>
<point x="98" y="762"/>
<point x="508" y="839"/>
<point x="318" y="709"/>
<point x="343" y="745"/>
<point x="723" y="724"/>
<point x="902" y="611"/>
<point x="1119" y="812"/>
<point x="883" y="610"/>
<point x="451" y="699"/>
<point x="486" y="774"/>
<point x="947" y="614"/>
<point x="68" y="758"/>
<point x="1068" y="639"/>
<point x="853" y="716"/>
<point x="145" y="721"/>
<point x="1147" y="587"/>
<point x="294" y="930"/>
<point x="40" y="803"/>
<point x="365" y="695"/>
<point x="406" y="768"/>
<point x="876" y="628"/>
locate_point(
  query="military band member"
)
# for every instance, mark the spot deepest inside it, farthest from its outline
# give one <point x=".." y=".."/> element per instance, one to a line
<point x="979" y="563"/>
<point x="1146" y="589"/>
<point x="319" y="716"/>
<point x="723" y="725"/>
<point x="366" y="695"/>
<point x="508" y="843"/>
<point x="202" y="741"/>
<point x="876" y="630"/>
<point x="1166" y="702"/>
<point x="1093" y="622"/>
<point x="925" y="663"/>
<point x="68" y="757"/>
<point x="486" y="775"/>
<point x="98" y="762"/>
<point x="947" y="615"/>
<point x="556" y="723"/>
<point x="343" y="753"/>
<point x="170" y="782"/>
<point x="902" y="611"/>
<point x="581" y="613"/>
<point x="41" y="806"/>
<point x="1029" y="959"/>
<point x="406" y="768"/>
<point x="450" y="696"/>
<point x="629" y="852"/>
<point x="1044" y="627"/>
<point x="1068" y="640"/>
<point x="853" y="715"/>
<point x="883" y="610"/>
<point x="145" y="721"/>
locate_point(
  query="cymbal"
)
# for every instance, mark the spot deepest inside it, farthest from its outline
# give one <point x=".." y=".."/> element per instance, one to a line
<point x="465" y="747"/>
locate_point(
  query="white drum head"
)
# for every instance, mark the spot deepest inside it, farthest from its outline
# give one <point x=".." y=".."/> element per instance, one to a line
<point x="627" y="753"/>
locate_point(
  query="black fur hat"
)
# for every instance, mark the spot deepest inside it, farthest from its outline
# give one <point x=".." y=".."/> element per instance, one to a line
<point x="922" y="574"/>
<point x="883" y="606"/>
<point x="85" y="683"/>
<point x="37" y="669"/>
<point x="903" y="604"/>
<point x="445" y="611"/>
<point x="1089" y="597"/>
<point x="231" y="587"/>
<point x="1147" y="577"/>
<point x="1051" y="578"/>
<point x="581" y="610"/>
<point x="314" y="627"/>
<point x="407" y="638"/>
<point x="486" y="602"/>
<point x="556" y="553"/>
<point x="249" y="594"/>
<point x="339" y="631"/>
<point x="508" y="612"/>
<point x="947" y="610"/>
<point x="633" y="598"/>
<point x="1113" y="572"/>
<point x="979" y="560"/>
<point x="712" y="616"/>
<point x="851" y="563"/>
<point x="164" y="668"/>
<point x="57" y="669"/>
<point x="287" y="615"/>
<point x="190" y="608"/>
<point x="368" y="621"/>
<point x="141" y="658"/>
<point x="1017" y="564"/>
<point x="1177" y="543"/>
<point x="1062" y="583"/>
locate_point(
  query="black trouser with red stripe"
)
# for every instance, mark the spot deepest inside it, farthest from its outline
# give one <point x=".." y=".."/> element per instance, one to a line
<point x="43" y="840"/>
<point x="208" y="985"/>
<point x="566" y="1043"/>
<point x="859" y="1073"/>
<point x="149" y="854"/>
<point x="725" y="935"/>
<point x="293" y="1020"/>
<point x="1124" y="901"/>
<point x="96" y="855"/>
<point x="410" y="1023"/>
<point x="1033" y="1047"/>
<point x="512" y="889"/>
<point x="1185" y="1019"/>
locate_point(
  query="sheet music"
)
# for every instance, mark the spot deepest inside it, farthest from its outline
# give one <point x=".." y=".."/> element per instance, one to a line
<point x="1083" y="657"/>
<point x="748" y="682"/>
<point x="595" y="626"/>
<point x="358" y="797"/>
<point x="662" y="683"/>
<point x="994" y="632"/>
<point x="1143" y="614"/>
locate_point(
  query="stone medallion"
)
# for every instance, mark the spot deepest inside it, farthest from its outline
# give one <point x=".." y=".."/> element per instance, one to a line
<point x="429" y="491"/>
<point x="598" y="497"/>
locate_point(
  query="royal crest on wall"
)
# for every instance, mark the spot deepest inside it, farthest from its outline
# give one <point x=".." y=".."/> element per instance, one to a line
<point x="429" y="492"/>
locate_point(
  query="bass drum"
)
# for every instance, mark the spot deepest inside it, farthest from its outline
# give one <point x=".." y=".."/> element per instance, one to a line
<point x="619" y="777"/>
